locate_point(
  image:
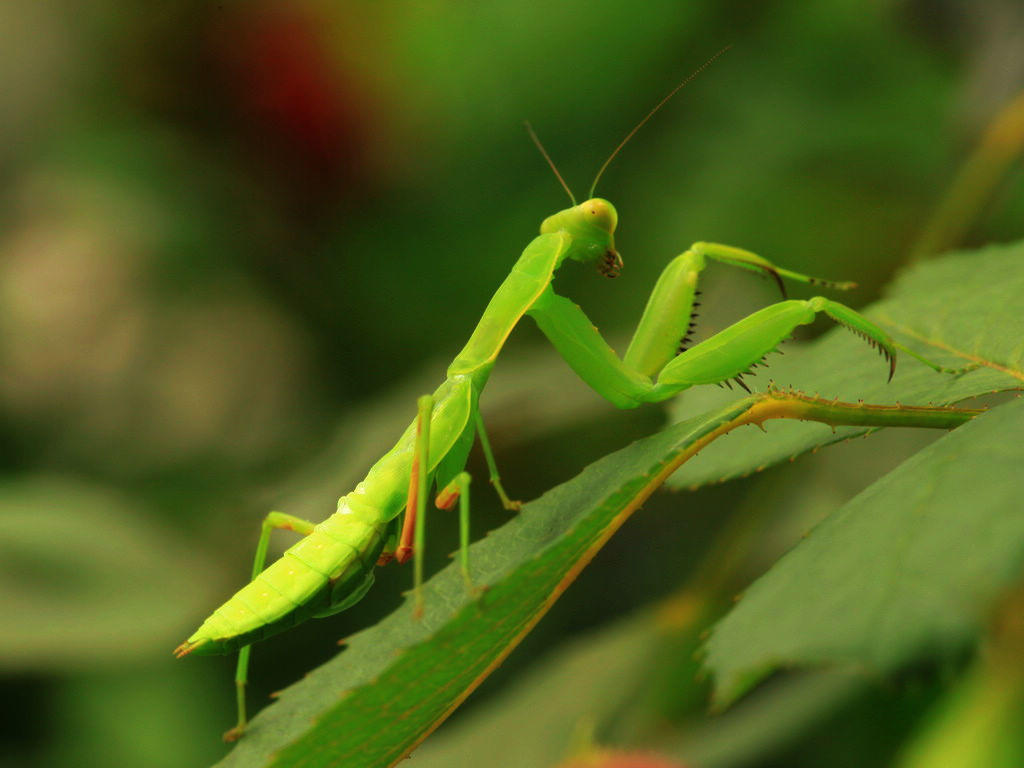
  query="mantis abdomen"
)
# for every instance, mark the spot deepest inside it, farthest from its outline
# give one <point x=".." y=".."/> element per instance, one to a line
<point x="327" y="570"/>
<point x="331" y="568"/>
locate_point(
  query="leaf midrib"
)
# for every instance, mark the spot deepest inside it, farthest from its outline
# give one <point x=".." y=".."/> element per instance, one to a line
<point x="891" y="324"/>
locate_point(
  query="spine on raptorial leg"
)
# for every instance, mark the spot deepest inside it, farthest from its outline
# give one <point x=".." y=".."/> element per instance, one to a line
<point x="733" y="350"/>
<point x="315" y="572"/>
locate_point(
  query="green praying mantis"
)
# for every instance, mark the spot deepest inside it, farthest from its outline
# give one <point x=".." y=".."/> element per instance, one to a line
<point x="382" y="519"/>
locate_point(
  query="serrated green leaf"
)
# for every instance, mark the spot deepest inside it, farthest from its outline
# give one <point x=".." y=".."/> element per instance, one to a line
<point x="963" y="308"/>
<point x="532" y="722"/>
<point x="594" y="681"/>
<point x="401" y="678"/>
<point x="397" y="680"/>
<point x="908" y="568"/>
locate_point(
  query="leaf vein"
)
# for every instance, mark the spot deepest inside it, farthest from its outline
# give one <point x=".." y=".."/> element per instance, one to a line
<point x="917" y="336"/>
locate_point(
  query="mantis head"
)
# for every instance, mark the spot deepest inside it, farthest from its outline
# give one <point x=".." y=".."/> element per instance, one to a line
<point x="591" y="224"/>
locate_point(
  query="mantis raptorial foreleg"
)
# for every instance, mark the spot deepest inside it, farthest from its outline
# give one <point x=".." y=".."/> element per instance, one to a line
<point x="738" y="257"/>
<point x="657" y="366"/>
<point x="668" y="319"/>
<point x="278" y="521"/>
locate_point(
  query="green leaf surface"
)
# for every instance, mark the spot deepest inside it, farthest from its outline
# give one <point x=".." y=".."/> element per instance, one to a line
<point x="398" y="679"/>
<point x="401" y="678"/>
<point x="963" y="308"/>
<point x="595" y="681"/>
<point x="531" y="723"/>
<point x="908" y="568"/>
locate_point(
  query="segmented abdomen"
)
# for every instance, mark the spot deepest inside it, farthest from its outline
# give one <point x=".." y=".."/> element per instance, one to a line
<point x="332" y="566"/>
<point x="319" y="570"/>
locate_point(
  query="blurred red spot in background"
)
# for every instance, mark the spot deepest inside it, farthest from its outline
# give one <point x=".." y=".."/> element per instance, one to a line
<point x="300" y="105"/>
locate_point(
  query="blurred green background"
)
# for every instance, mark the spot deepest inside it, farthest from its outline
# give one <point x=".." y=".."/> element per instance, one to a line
<point x="238" y="239"/>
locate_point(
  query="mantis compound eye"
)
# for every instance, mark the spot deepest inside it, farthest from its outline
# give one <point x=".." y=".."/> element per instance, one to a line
<point x="610" y="264"/>
<point x="599" y="213"/>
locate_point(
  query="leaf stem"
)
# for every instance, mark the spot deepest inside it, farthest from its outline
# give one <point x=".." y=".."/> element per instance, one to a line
<point x="780" y="404"/>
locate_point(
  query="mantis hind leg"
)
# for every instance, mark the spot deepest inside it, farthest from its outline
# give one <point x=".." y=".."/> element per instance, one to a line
<point x="279" y="521"/>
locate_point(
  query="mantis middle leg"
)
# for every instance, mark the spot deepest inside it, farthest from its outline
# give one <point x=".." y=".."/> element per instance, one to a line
<point x="492" y="466"/>
<point x="413" y="536"/>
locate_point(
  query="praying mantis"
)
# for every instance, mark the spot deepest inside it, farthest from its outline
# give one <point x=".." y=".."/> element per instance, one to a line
<point x="382" y="519"/>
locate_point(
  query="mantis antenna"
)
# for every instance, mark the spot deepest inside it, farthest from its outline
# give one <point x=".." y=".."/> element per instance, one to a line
<point x="533" y="135"/>
<point x="650" y="114"/>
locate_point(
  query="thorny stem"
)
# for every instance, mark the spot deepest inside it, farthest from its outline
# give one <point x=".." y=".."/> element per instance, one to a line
<point x="717" y="574"/>
<point x="790" y="404"/>
<point x="785" y="404"/>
